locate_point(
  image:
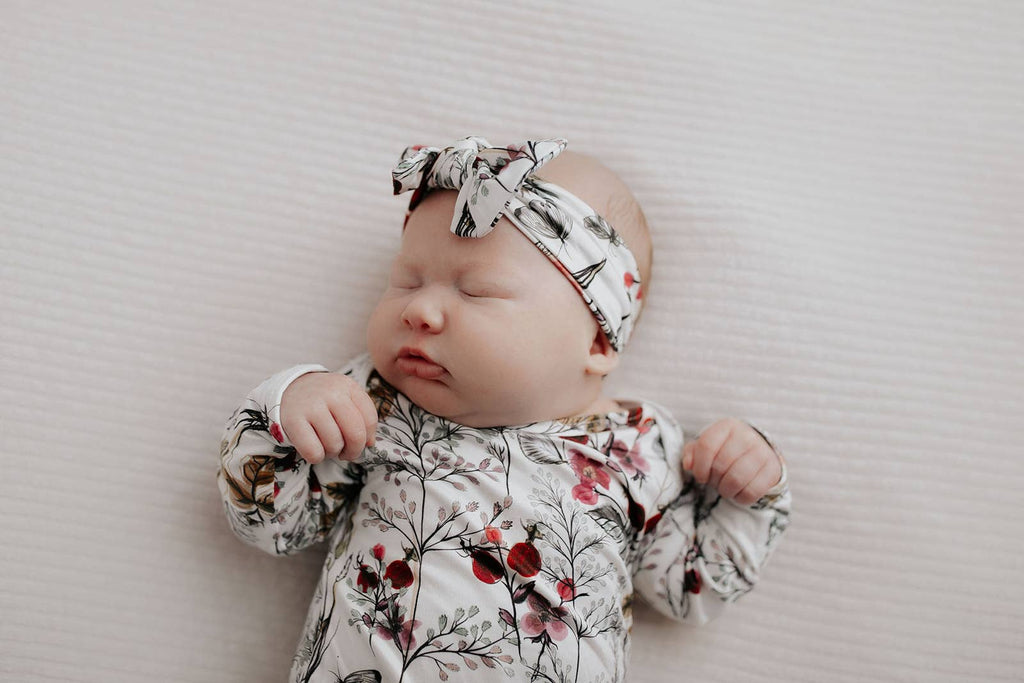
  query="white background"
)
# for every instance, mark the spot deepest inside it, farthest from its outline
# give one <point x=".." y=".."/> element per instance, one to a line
<point x="194" y="195"/>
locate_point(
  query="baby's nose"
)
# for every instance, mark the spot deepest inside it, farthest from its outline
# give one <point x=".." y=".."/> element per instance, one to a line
<point x="424" y="314"/>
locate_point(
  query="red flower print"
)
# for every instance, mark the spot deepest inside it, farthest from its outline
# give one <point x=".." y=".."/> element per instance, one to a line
<point x="367" y="579"/>
<point x="276" y="432"/>
<point x="486" y="567"/>
<point x="493" y="534"/>
<point x="628" y="280"/>
<point x="566" y="589"/>
<point x="524" y="559"/>
<point x="399" y="574"/>
<point x="378" y="551"/>
<point x="633" y="417"/>
<point x="652" y="522"/>
<point x="544" y="620"/>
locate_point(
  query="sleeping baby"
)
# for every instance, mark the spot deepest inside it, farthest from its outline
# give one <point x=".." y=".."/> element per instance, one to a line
<point x="489" y="513"/>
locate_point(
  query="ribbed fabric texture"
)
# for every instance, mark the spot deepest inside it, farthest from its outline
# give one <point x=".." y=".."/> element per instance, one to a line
<point x="196" y="195"/>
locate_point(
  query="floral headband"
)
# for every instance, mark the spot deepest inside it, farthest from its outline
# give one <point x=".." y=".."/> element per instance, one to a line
<point x="496" y="181"/>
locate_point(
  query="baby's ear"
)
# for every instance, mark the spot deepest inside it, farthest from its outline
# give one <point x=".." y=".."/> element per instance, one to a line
<point x="603" y="357"/>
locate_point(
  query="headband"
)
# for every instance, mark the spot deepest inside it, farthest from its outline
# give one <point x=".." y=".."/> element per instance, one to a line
<point x="496" y="181"/>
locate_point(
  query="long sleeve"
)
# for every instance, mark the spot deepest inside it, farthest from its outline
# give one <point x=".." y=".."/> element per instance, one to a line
<point x="705" y="551"/>
<point x="273" y="498"/>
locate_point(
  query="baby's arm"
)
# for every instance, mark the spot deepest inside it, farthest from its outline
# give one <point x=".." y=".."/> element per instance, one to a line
<point x="708" y="549"/>
<point x="273" y="498"/>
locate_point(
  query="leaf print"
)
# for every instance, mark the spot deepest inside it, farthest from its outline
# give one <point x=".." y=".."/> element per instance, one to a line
<point x="544" y="219"/>
<point x="584" y="276"/>
<point x="364" y="676"/>
<point x="384" y="395"/>
<point x="598" y="226"/>
<point x="609" y="519"/>
<point x="541" y="450"/>
<point x="257" y="473"/>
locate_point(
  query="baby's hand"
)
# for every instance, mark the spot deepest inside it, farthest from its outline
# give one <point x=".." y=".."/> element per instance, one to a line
<point x="328" y="415"/>
<point x="731" y="456"/>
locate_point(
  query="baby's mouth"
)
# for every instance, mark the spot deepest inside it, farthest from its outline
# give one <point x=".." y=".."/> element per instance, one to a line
<point x="418" y="364"/>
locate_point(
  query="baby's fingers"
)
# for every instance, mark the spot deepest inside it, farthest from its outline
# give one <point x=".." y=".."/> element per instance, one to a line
<point x="742" y="474"/>
<point x="765" y="480"/>
<point x="353" y="428"/>
<point x="711" y="454"/>
<point x="306" y="442"/>
<point x="369" y="412"/>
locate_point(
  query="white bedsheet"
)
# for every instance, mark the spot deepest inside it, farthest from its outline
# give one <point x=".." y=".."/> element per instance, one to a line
<point x="195" y="195"/>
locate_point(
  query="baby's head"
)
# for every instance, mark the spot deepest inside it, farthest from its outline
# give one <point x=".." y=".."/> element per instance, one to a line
<point x="511" y="339"/>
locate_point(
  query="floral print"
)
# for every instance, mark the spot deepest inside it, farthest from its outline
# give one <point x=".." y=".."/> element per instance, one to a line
<point x="496" y="181"/>
<point x="500" y="554"/>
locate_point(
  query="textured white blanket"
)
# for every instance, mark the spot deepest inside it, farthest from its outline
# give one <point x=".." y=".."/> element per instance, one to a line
<point x="194" y="195"/>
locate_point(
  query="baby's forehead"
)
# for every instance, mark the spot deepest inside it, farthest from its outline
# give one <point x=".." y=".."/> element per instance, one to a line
<point x="504" y="250"/>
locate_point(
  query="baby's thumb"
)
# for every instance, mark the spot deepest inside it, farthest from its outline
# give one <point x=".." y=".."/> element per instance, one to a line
<point x="688" y="455"/>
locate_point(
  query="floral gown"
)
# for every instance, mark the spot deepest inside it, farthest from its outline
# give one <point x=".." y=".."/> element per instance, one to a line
<point x="500" y="554"/>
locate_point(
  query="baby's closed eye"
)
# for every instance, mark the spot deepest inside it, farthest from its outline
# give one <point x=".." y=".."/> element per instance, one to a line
<point x="484" y="290"/>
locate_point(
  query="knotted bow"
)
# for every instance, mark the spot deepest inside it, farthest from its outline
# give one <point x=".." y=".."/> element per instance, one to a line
<point x="486" y="177"/>
<point x="496" y="181"/>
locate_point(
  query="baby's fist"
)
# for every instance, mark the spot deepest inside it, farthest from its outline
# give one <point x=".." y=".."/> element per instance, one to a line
<point x="731" y="456"/>
<point x="328" y="415"/>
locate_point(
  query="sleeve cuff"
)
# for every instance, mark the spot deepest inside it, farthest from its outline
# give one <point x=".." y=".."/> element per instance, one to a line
<point x="274" y="388"/>
<point x="783" y="482"/>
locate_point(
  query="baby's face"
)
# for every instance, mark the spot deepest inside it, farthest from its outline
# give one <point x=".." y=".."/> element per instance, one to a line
<point x="507" y="334"/>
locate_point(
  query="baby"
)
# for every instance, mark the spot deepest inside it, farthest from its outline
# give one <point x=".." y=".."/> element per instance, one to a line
<point x="489" y="512"/>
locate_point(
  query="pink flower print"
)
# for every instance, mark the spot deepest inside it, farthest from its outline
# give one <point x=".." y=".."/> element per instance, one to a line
<point x="630" y="460"/>
<point x="405" y="636"/>
<point x="493" y="534"/>
<point x="591" y="473"/>
<point x="584" y="494"/>
<point x="544" y="620"/>
<point x="566" y="589"/>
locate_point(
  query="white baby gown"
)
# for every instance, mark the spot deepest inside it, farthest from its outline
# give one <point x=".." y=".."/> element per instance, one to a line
<point x="499" y="554"/>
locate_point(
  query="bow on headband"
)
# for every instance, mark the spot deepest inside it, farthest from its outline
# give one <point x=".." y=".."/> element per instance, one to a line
<point x="496" y="181"/>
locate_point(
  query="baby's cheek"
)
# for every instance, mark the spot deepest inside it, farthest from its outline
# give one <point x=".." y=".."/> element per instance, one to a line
<point x="376" y="331"/>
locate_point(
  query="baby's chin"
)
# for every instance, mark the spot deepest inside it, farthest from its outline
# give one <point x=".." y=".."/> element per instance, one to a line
<point x="432" y="395"/>
<point x="441" y="399"/>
